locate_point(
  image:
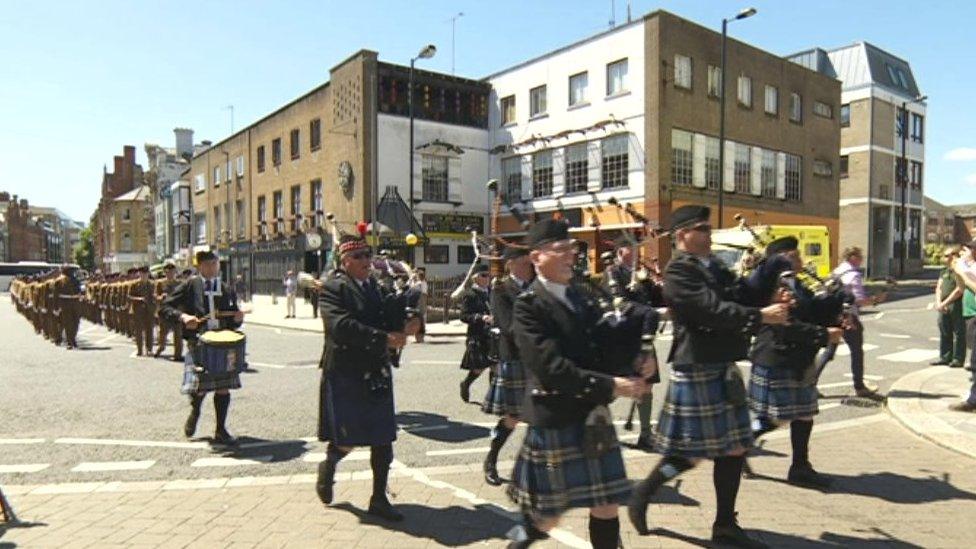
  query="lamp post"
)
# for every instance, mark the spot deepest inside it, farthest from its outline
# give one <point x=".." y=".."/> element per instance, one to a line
<point x="903" y="179"/>
<point x="426" y="53"/>
<point x="748" y="12"/>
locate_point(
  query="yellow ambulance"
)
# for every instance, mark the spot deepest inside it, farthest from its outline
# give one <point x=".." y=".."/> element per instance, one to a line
<point x="731" y="244"/>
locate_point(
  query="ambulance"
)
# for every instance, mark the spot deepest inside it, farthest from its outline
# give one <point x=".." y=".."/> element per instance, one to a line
<point x="730" y="245"/>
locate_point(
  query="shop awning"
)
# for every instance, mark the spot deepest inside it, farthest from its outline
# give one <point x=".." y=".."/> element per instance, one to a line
<point x="394" y="213"/>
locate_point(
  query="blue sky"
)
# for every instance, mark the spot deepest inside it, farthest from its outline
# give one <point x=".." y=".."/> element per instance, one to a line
<point x="80" y="79"/>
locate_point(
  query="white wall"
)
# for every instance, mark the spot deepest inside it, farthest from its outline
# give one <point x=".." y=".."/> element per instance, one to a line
<point x="554" y="71"/>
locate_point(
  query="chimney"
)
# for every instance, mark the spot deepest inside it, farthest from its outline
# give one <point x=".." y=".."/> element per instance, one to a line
<point x="128" y="168"/>
<point x="4" y="196"/>
<point x="184" y="142"/>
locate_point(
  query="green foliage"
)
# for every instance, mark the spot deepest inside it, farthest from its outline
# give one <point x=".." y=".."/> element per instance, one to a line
<point x="933" y="253"/>
<point x="84" y="252"/>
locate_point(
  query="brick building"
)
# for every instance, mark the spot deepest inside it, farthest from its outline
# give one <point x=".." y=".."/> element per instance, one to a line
<point x="22" y="237"/>
<point x="122" y="224"/>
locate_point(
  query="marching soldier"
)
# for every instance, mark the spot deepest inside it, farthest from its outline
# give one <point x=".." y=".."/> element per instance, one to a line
<point x="507" y="391"/>
<point x="165" y="287"/>
<point x="476" y="313"/>
<point x="142" y="310"/>
<point x="705" y="414"/>
<point x="68" y="291"/>
<point x="570" y="457"/>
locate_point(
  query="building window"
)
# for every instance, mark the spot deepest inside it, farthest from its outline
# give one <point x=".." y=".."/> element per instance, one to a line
<point x="465" y="255"/>
<point x="917" y="121"/>
<point x="772" y="100"/>
<point x="318" y="216"/>
<point x="796" y="107"/>
<point x="199" y="183"/>
<point x="897" y="76"/>
<point x="615" y="161"/>
<point x="261" y="159"/>
<point x="577" y="168"/>
<point x="239" y="212"/>
<point x="914" y="232"/>
<point x="295" y="143"/>
<point x="577" y="89"/>
<point x="767" y="174"/>
<point x="901" y="174"/>
<point x="276" y="152"/>
<point x="227" y="169"/>
<point x="617" y="77"/>
<point x="240" y="166"/>
<point x="296" y="208"/>
<point x="822" y="109"/>
<point x="279" y="212"/>
<point x="823" y="168"/>
<point x="743" y="168"/>
<point x="315" y="134"/>
<point x="439" y="254"/>
<point x="794" y="191"/>
<point x="126" y="242"/>
<point x="201" y="229"/>
<point x="216" y="225"/>
<point x="682" y="71"/>
<point x="916" y="175"/>
<point x="537" y="101"/>
<point x="508" y="110"/>
<point x="434" y="176"/>
<point x="843" y="166"/>
<point x="542" y="174"/>
<point x="745" y="91"/>
<point x="714" y="81"/>
<point x="900" y="122"/>
<point x="126" y="215"/>
<point x="512" y="178"/>
<point x="216" y="176"/>
<point x="262" y="216"/>
<point x="713" y="167"/>
<point x="845" y="115"/>
<point x="682" y="157"/>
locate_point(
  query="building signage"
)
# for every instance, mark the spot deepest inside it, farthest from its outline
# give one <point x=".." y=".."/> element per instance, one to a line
<point x="453" y="223"/>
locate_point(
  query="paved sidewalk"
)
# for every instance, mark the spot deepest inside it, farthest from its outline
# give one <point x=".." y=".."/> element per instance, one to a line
<point x="920" y="401"/>
<point x="890" y="489"/>
<point x="265" y="313"/>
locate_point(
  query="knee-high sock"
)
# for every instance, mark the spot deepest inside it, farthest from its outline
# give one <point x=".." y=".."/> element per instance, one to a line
<point x="668" y="468"/>
<point x="380" y="458"/>
<point x="472" y="375"/>
<point x="498" y="437"/>
<point x="221" y="405"/>
<point x="726" y="476"/>
<point x="333" y="455"/>
<point x="644" y="407"/>
<point x="195" y="401"/>
<point x="604" y="533"/>
<point x="800" y="437"/>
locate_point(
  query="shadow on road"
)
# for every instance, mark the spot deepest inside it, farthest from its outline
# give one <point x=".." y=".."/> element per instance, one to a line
<point x="449" y="526"/>
<point x="438" y="427"/>
<point x="777" y="539"/>
<point x="915" y="394"/>
<point x="249" y="447"/>
<point x="892" y="487"/>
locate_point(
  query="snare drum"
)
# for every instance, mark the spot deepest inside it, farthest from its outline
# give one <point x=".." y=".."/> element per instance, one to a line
<point x="217" y="362"/>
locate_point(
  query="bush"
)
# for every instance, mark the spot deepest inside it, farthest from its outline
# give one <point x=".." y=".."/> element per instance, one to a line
<point x="933" y="253"/>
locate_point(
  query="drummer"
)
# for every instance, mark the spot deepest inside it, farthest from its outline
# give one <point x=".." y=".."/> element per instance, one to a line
<point x="190" y="303"/>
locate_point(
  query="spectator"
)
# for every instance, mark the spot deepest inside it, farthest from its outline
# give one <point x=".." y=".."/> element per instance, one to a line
<point x="419" y="285"/>
<point x="291" y="287"/>
<point x="240" y="288"/>
<point x="965" y="267"/>
<point x="948" y="303"/>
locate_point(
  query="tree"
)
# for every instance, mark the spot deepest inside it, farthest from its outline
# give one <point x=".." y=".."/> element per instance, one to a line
<point x="84" y="252"/>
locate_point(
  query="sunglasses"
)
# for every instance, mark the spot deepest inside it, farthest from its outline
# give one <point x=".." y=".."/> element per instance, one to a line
<point x="701" y="227"/>
<point x="360" y="255"/>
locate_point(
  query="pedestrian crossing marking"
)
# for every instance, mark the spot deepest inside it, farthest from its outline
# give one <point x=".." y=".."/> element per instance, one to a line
<point x="318" y="457"/>
<point x="98" y="466"/>
<point x="911" y="355"/>
<point x="872" y="377"/>
<point x="458" y="451"/>
<point x="844" y="350"/>
<point x="230" y="461"/>
<point x="896" y="336"/>
<point x="21" y="440"/>
<point x="24" y="467"/>
<point x="147" y="443"/>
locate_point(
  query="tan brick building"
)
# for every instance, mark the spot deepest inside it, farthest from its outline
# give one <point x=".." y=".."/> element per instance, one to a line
<point x="122" y="225"/>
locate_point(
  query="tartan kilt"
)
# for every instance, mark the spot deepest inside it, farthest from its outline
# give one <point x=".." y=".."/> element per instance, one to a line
<point x="781" y="393"/>
<point x="552" y="475"/>
<point x="202" y="383"/>
<point x="698" y="420"/>
<point x="507" y="390"/>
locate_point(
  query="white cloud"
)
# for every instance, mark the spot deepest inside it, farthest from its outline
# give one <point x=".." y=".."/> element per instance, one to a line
<point x="962" y="154"/>
<point x="971" y="179"/>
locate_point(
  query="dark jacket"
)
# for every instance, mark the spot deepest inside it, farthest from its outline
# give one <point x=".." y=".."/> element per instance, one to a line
<point x="474" y="305"/>
<point x="794" y="345"/>
<point x="502" y="311"/>
<point x="560" y="354"/>
<point x="188" y="298"/>
<point x="646" y="291"/>
<point x="712" y="311"/>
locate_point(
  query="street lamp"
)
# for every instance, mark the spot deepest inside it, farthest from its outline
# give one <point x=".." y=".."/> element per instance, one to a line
<point x="748" y="12"/>
<point x="903" y="179"/>
<point x="426" y="53"/>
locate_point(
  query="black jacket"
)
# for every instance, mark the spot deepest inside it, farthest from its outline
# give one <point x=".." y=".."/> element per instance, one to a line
<point x="713" y="313"/>
<point x="646" y="291"/>
<point x="188" y="298"/>
<point x="356" y="323"/>
<point x="503" y="297"/>
<point x="560" y="353"/>
<point x="474" y="305"/>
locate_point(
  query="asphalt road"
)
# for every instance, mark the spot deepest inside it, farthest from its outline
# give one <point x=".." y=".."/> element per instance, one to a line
<point x="100" y="413"/>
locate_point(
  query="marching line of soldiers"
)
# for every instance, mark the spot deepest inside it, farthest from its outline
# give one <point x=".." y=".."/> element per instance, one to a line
<point x="126" y="303"/>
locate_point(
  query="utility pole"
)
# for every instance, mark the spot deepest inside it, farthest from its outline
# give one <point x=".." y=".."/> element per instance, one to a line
<point x="454" y="19"/>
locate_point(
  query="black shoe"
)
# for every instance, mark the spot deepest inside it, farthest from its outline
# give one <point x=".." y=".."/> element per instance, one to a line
<point x="735" y="536"/>
<point x="963" y="407"/>
<point x="222" y="437"/>
<point x="325" y="482"/>
<point x="491" y="471"/>
<point x="524" y="534"/>
<point x="637" y="506"/>
<point x="190" y="426"/>
<point x="465" y="391"/>
<point x="806" y="476"/>
<point x="939" y="362"/>
<point x="955" y="364"/>
<point x="382" y="508"/>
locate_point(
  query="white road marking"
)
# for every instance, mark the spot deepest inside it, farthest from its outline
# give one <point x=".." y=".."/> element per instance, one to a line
<point x="872" y="377"/>
<point x="317" y="457"/>
<point x="930" y="306"/>
<point x="435" y="361"/>
<point x="96" y="466"/>
<point x="935" y="339"/>
<point x="896" y="336"/>
<point x="230" y="462"/>
<point x="833" y="386"/>
<point x="21" y="440"/>
<point x="911" y="355"/>
<point x="24" y="467"/>
<point x="458" y="451"/>
<point x="267" y="365"/>
<point x="844" y="350"/>
<point x="106" y="339"/>
<point x="829" y="405"/>
<point x="88" y="329"/>
<point x="146" y="443"/>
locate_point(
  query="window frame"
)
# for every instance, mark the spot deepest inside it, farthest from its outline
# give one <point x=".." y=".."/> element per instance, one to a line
<point x="624" y="81"/>
<point x="823" y="110"/>
<point x="681" y="76"/>
<point x="428" y="258"/>
<point x="534" y="94"/>
<point x="715" y="78"/>
<point x="845" y="115"/>
<point x="295" y="143"/>
<point x="577" y="175"/>
<point x="276" y="152"/>
<point x="261" y="160"/>
<point x="742" y="168"/>
<point x="844" y="167"/>
<point x="509" y="176"/>
<point x="295" y="193"/>
<point x="542" y="174"/>
<point x="796" y="108"/>
<point x="775" y="100"/>
<point x="315" y="134"/>
<point x="682" y="175"/>
<point x="917" y="123"/>
<point x="506" y="103"/>
<point x="582" y="100"/>
<point x="428" y="180"/>
<point x="611" y="176"/>
<point x="744" y="99"/>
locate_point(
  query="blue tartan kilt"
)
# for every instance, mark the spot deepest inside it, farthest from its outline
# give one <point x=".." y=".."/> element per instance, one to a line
<point x="552" y="475"/>
<point x="781" y="393"/>
<point x="507" y="390"/>
<point x="351" y="415"/>
<point x="698" y="420"/>
<point x="194" y="383"/>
